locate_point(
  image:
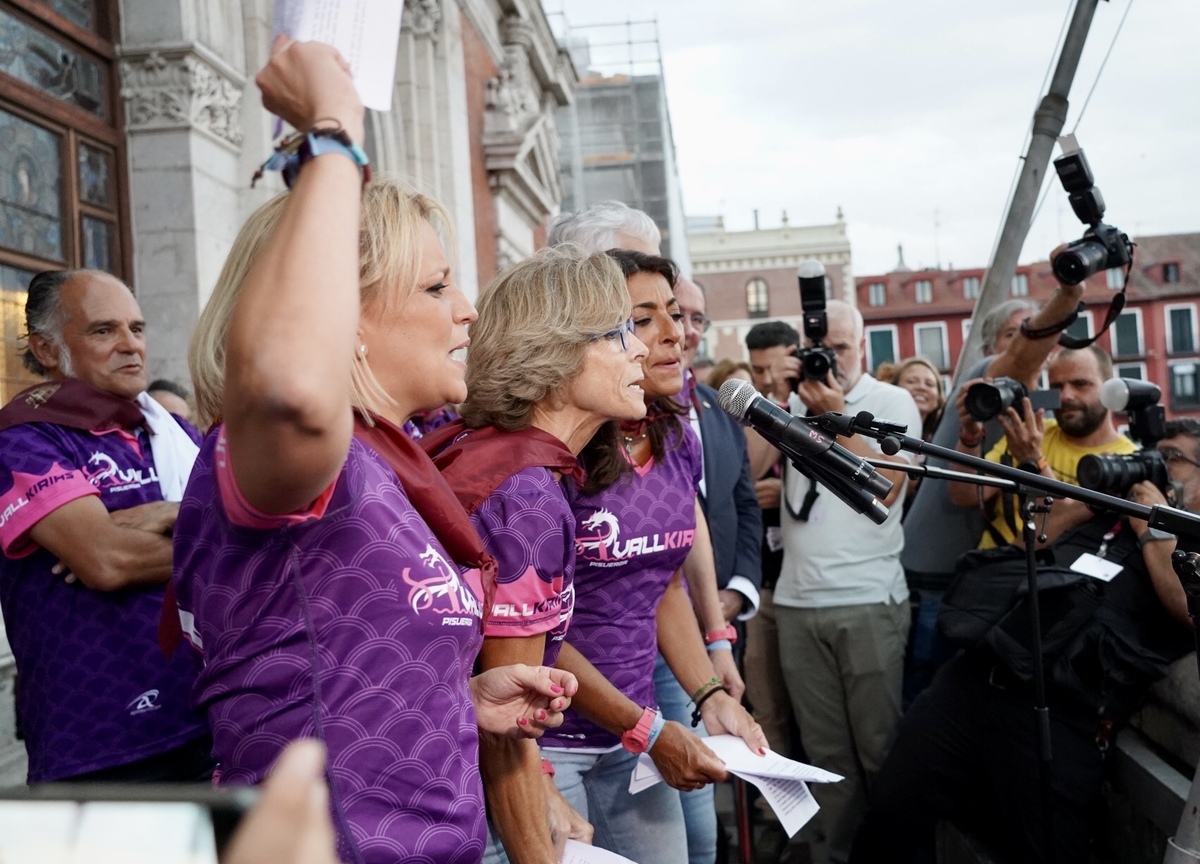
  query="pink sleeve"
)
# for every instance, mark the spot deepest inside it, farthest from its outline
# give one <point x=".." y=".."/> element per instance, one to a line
<point x="242" y="513"/>
<point x="32" y="498"/>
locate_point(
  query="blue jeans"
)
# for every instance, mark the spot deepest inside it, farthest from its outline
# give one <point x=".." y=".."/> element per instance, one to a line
<point x="699" y="807"/>
<point x="646" y="827"/>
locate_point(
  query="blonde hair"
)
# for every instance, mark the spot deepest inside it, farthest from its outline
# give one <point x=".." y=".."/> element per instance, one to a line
<point x="535" y="323"/>
<point x="389" y="242"/>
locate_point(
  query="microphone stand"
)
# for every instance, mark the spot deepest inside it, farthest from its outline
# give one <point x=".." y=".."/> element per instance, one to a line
<point x="1028" y="487"/>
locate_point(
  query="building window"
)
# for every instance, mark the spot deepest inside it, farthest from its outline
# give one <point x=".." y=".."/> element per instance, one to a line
<point x="971" y="287"/>
<point x="1081" y="328"/>
<point x="1181" y="329"/>
<point x="758" y="304"/>
<point x="1020" y="285"/>
<point x="881" y="346"/>
<point x="1115" y="277"/>
<point x="1170" y="272"/>
<point x="1136" y="371"/>
<point x="1183" y="386"/>
<point x="924" y="291"/>
<point x="63" y="202"/>
<point x="930" y="340"/>
<point x="1127" y="334"/>
<point x="876" y="293"/>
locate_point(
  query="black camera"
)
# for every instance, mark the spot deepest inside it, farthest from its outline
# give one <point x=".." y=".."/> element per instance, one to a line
<point x="1102" y="247"/>
<point x="986" y="400"/>
<point x="1115" y="475"/>
<point x="818" y="361"/>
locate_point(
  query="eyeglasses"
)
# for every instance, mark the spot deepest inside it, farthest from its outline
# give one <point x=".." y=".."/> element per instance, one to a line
<point x="1172" y="456"/>
<point x="699" y="321"/>
<point x="616" y="333"/>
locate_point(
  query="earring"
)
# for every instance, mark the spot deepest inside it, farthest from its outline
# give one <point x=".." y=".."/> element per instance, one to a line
<point x="362" y="350"/>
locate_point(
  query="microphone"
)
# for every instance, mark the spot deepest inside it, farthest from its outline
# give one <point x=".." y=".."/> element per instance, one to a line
<point x="849" y="477"/>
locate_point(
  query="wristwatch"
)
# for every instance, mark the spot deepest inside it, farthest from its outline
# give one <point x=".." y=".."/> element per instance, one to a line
<point x="637" y="739"/>
<point x="1150" y="535"/>
<point x="730" y="633"/>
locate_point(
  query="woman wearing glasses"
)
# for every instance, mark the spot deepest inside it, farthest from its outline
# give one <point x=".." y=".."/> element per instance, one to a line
<point x="636" y="529"/>
<point x="552" y="359"/>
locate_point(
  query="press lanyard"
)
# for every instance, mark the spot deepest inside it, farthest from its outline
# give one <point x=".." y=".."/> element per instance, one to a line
<point x="1108" y="538"/>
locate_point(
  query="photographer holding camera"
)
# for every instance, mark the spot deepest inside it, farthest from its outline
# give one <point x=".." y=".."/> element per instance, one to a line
<point x="968" y="750"/>
<point x="1052" y="448"/>
<point x="841" y="599"/>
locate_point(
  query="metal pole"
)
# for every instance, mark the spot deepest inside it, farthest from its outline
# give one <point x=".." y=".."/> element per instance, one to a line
<point x="1047" y="124"/>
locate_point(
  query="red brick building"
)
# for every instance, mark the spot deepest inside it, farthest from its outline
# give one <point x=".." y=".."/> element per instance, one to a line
<point x="1155" y="338"/>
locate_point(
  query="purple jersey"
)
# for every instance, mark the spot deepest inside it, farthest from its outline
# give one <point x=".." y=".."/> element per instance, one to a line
<point x="346" y="623"/>
<point x="96" y="690"/>
<point x="527" y="526"/>
<point x="629" y="539"/>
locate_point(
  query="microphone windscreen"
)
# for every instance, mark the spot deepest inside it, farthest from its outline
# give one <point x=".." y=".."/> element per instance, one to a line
<point x="735" y="397"/>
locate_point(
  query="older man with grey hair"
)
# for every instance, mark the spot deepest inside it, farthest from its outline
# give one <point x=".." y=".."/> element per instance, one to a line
<point x="91" y="470"/>
<point x="607" y="225"/>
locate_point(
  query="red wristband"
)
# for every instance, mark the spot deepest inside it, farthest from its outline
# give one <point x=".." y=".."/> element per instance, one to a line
<point x="730" y="633"/>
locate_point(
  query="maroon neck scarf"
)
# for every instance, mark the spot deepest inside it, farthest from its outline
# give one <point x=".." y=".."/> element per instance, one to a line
<point x="481" y="459"/>
<point x="432" y="498"/>
<point x="73" y="404"/>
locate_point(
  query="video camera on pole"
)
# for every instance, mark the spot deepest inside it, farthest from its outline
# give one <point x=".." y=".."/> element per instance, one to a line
<point x="1115" y="475"/>
<point x="1102" y="247"/>
<point x="816" y="362"/>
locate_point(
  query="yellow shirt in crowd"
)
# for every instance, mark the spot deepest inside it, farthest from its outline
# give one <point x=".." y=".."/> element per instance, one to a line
<point x="1063" y="458"/>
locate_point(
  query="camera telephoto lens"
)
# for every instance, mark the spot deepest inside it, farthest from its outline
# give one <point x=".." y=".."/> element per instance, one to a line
<point x="1080" y="260"/>
<point x="1116" y="475"/>
<point x="986" y="400"/>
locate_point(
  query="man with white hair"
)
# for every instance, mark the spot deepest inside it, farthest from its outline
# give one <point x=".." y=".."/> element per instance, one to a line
<point x="91" y="473"/>
<point x="607" y="225"/>
<point x="841" y="601"/>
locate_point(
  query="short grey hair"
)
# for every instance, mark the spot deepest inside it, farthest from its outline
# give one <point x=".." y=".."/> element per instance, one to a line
<point x="595" y="228"/>
<point x="993" y="322"/>
<point x="44" y="313"/>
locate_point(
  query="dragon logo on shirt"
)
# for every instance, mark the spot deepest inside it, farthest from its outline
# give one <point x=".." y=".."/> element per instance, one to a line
<point x="108" y="475"/>
<point x="596" y="546"/>
<point x="443" y="593"/>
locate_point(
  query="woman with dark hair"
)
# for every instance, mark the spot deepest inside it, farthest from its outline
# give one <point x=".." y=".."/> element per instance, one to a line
<point x="637" y="529"/>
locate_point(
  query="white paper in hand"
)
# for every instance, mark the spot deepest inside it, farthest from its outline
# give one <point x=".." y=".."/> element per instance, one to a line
<point x="582" y="853"/>
<point x="366" y="32"/>
<point x="740" y="759"/>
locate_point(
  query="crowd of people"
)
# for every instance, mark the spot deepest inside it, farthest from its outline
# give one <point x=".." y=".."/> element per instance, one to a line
<point x="486" y="584"/>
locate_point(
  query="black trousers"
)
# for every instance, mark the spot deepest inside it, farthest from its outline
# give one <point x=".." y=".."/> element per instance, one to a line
<point x="967" y="750"/>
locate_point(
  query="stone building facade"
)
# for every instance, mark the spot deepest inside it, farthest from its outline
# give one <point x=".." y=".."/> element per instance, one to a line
<point x="129" y="130"/>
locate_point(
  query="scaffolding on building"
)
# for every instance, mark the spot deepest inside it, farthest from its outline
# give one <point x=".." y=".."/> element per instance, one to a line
<point x="616" y="139"/>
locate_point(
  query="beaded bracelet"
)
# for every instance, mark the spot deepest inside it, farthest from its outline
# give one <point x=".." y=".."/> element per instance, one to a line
<point x="696" y="711"/>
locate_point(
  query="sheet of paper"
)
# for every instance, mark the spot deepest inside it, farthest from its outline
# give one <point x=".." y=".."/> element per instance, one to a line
<point x="790" y="799"/>
<point x="366" y="32"/>
<point x="582" y="853"/>
<point x="738" y="757"/>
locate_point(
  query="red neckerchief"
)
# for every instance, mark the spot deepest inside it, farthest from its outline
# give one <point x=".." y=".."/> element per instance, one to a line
<point x="71" y="403"/>
<point x="476" y="461"/>
<point x="433" y="498"/>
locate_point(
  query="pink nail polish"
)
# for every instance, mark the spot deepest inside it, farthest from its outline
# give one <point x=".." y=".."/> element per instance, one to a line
<point x="554" y="688"/>
<point x="541" y="715"/>
<point x="521" y="721"/>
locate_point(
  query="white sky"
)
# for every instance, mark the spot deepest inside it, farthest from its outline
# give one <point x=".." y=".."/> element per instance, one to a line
<point x="895" y="110"/>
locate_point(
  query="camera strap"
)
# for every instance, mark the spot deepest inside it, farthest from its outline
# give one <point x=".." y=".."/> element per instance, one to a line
<point x="810" y="497"/>
<point x="1114" y="309"/>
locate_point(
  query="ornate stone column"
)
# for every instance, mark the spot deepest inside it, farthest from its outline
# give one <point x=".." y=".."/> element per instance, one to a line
<point x="183" y="116"/>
